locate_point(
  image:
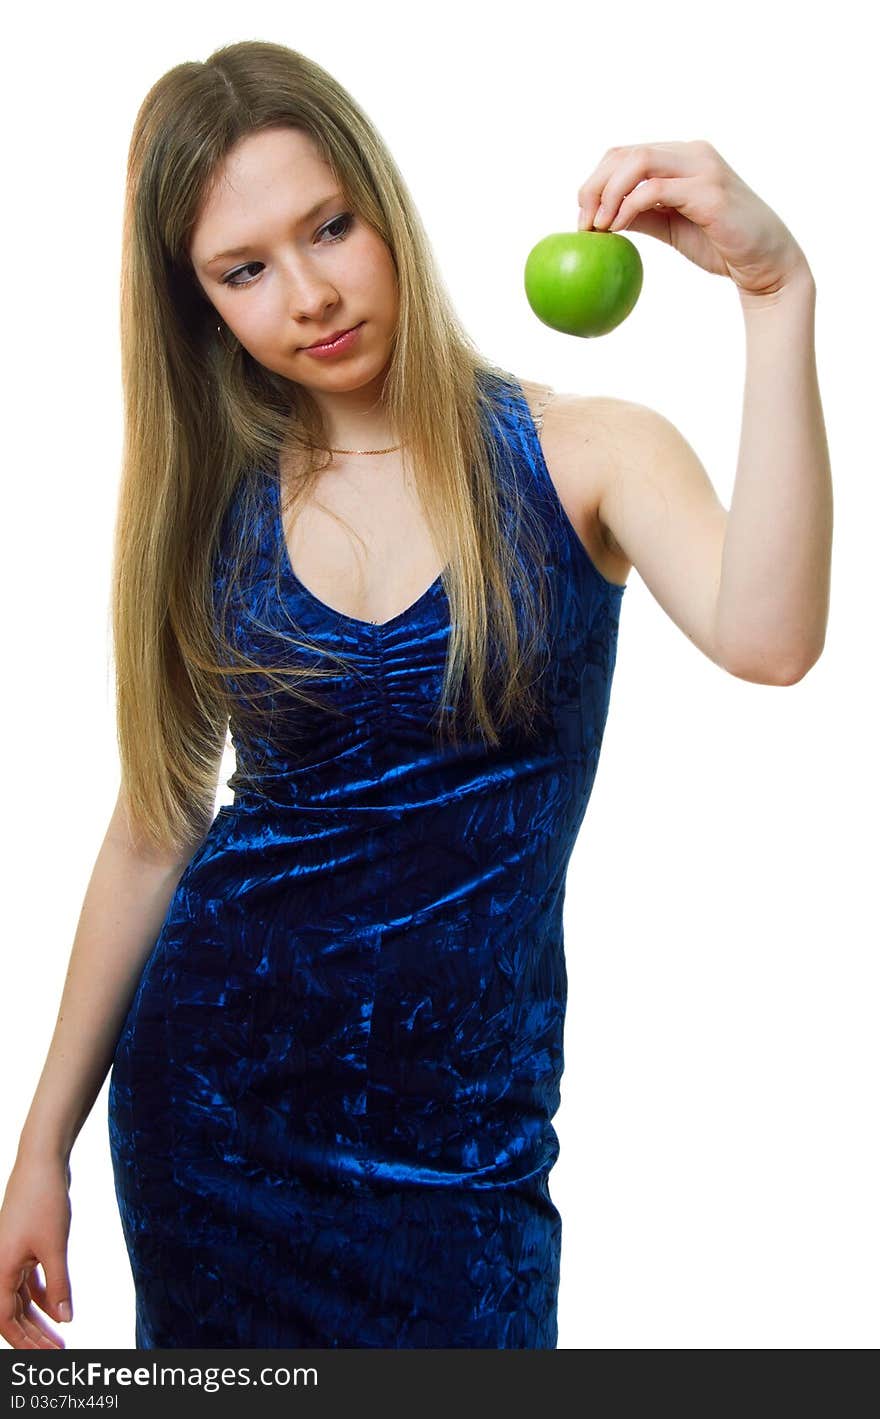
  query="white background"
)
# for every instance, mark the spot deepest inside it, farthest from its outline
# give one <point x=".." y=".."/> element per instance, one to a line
<point x="718" y="1171"/>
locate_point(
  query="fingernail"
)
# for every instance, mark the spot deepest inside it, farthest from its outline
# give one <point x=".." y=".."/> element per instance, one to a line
<point x="64" y="1312"/>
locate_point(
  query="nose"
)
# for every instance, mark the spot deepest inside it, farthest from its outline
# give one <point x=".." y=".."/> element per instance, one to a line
<point x="310" y="297"/>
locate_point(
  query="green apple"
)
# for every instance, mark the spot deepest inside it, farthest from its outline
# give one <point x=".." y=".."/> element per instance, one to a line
<point x="583" y="283"/>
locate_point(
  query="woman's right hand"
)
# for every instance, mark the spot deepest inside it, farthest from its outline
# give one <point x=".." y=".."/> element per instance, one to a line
<point x="34" y="1228"/>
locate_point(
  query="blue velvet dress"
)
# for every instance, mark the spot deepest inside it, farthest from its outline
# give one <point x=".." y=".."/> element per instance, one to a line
<point x="331" y="1103"/>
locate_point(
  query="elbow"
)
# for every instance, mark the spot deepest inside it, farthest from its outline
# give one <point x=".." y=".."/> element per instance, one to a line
<point x="801" y="664"/>
<point x="800" y="670"/>
<point x="773" y="670"/>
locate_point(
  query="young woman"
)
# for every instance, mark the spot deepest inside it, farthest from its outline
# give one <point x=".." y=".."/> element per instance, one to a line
<point x="334" y="1011"/>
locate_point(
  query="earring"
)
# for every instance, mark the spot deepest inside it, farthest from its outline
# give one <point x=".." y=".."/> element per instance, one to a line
<point x="230" y="348"/>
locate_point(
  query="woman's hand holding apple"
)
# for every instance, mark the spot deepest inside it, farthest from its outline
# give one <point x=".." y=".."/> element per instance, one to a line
<point x="686" y="195"/>
<point x="586" y="282"/>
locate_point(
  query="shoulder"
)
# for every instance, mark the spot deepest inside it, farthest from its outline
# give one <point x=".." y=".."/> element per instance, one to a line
<point x="587" y="440"/>
<point x="611" y="430"/>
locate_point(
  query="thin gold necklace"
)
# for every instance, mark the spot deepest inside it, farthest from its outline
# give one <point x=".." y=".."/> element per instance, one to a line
<point x="365" y="450"/>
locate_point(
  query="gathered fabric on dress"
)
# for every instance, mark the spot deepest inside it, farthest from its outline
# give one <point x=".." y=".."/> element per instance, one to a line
<point x="331" y="1102"/>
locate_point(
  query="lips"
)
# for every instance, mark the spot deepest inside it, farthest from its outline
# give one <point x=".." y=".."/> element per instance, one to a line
<point x="330" y="338"/>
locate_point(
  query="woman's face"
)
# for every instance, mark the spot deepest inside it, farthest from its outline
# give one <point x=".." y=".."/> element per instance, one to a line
<point x="301" y="274"/>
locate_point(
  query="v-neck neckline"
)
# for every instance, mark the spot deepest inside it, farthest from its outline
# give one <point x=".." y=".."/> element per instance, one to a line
<point x="355" y="621"/>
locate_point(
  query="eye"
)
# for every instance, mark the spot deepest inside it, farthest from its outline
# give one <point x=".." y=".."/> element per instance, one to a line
<point x="236" y="285"/>
<point x="346" y="218"/>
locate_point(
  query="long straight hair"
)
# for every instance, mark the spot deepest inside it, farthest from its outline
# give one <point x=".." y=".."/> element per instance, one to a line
<point x="201" y="415"/>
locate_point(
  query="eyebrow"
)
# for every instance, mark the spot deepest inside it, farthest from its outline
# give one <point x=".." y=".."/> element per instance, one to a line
<point x="307" y="217"/>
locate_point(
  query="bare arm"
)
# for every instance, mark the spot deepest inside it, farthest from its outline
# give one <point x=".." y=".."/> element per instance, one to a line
<point x="124" y="907"/>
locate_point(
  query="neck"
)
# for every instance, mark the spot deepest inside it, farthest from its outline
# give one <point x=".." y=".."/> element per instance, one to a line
<point x="356" y="418"/>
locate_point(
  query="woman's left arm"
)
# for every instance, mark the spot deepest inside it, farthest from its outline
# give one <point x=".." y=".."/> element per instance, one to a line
<point x="771" y="609"/>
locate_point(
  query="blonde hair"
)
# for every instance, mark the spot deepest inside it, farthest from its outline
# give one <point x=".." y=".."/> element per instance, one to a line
<point x="203" y="422"/>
